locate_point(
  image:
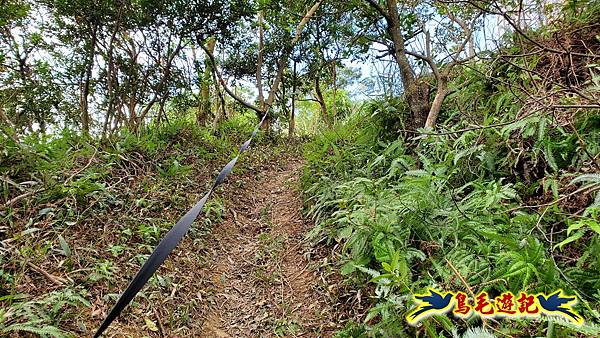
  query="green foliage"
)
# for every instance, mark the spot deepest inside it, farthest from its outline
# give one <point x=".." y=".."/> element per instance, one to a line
<point x="413" y="213"/>
<point x="134" y="185"/>
<point x="398" y="222"/>
<point x="389" y="114"/>
<point x="41" y="317"/>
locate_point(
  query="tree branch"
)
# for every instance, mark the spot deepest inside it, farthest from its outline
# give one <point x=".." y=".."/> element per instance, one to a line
<point x="520" y="32"/>
<point x="379" y="9"/>
<point x="281" y="65"/>
<point x="427" y="59"/>
<point x="222" y="82"/>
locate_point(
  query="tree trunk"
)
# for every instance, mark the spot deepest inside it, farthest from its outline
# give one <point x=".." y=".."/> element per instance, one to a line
<point x="259" y="63"/>
<point x="204" y="107"/>
<point x="221" y="98"/>
<point x="292" y="117"/>
<point x="111" y="76"/>
<point x="281" y="65"/>
<point x="436" y="106"/>
<point x="200" y="118"/>
<point x="334" y="79"/>
<point x="321" y="101"/>
<point x="132" y="106"/>
<point x="417" y="97"/>
<point x="406" y="72"/>
<point x="161" y="108"/>
<point x="274" y="88"/>
<point x="161" y="85"/>
<point x="416" y="91"/>
<point x="219" y="112"/>
<point x="283" y="98"/>
<point x="85" y="87"/>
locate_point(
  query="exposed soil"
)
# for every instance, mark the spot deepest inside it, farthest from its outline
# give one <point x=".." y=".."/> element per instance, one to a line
<point x="262" y="284"/>
<point x="252" y="275"/>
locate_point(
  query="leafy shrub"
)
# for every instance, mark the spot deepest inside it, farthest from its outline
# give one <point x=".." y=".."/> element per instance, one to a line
<point x="410" y="216"/>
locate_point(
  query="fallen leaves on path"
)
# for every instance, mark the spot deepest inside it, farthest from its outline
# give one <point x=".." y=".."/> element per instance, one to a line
<point x="261" y="284"/>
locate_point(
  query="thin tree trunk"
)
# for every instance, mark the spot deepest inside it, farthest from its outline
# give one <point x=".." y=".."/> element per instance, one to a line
<point x="132" y="123"/>
<point x="259" y="63"/>
<point x="471" y="48"/>
<point x="292" y="117"/>
<point x="274" y="88"/>
<point x="406" y="72"/>
<point x="161" y="108"/>
<point x="441" y="77"/>
<point x="283" y="98"/>
<point x="436" y="105"/>
<point x="165" y="78"/>
<point x="219" y="113"/>
<point x="200" y="118"/>
<point x="322" y="104"/>
<point x="280" y="65"/>
<point x="111" y="83"/>
<point x="334" y="79"/>
<point x="85" y="91"/>
<point x="220" y="101"/>
<point x="416" y="91"/>
<point x="120" y="118"/>
<point x="284" y="59"/>
<point x="205" y="102"/>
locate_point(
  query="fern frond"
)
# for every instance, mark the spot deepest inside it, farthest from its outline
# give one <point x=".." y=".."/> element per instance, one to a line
<point x="43" y="331"/>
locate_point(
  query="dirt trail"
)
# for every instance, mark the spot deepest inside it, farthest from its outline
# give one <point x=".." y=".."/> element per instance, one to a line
<point x="260" y="284"/>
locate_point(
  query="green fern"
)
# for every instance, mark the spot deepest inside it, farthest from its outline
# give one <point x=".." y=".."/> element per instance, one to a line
<point x="42" y="331"/>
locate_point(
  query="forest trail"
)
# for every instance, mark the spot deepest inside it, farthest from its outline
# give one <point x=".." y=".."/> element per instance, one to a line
<point x="260" y="282"/>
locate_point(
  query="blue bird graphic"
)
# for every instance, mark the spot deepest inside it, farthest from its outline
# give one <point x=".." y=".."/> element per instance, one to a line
<point x="434" y="302"/>
<point x="557" y="303"/>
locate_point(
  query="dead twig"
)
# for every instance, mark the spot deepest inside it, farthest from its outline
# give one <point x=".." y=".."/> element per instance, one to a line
<point x="11" y="182"/>
<point x="462" y="279"/>
<point x="582" y="189"/>
<point x="161" y="329"/>
<point x="84" y="168"/>
<point x="54" y="279"/>
<point x="20" y="197"/>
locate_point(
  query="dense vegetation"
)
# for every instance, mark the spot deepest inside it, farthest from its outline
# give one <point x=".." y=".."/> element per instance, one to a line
<point x="95" y="211"/>
<point x="461" y="161"/>
<point x="507" y="206"/>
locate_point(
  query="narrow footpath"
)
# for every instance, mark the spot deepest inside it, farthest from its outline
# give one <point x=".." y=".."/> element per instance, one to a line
<point x="261" y="280"/>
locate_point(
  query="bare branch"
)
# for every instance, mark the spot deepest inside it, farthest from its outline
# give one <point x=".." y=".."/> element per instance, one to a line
<point x="222" y="82"/>
<point x="280" y="68"/>
<point x="427" y="59"/>
<point x="519" y="31"/>
<point x="304" y="20"/>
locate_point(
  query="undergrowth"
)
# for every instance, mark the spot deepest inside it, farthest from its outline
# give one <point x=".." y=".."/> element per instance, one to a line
<point x="78" y="216"/>
<point x="508" y="207"/>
